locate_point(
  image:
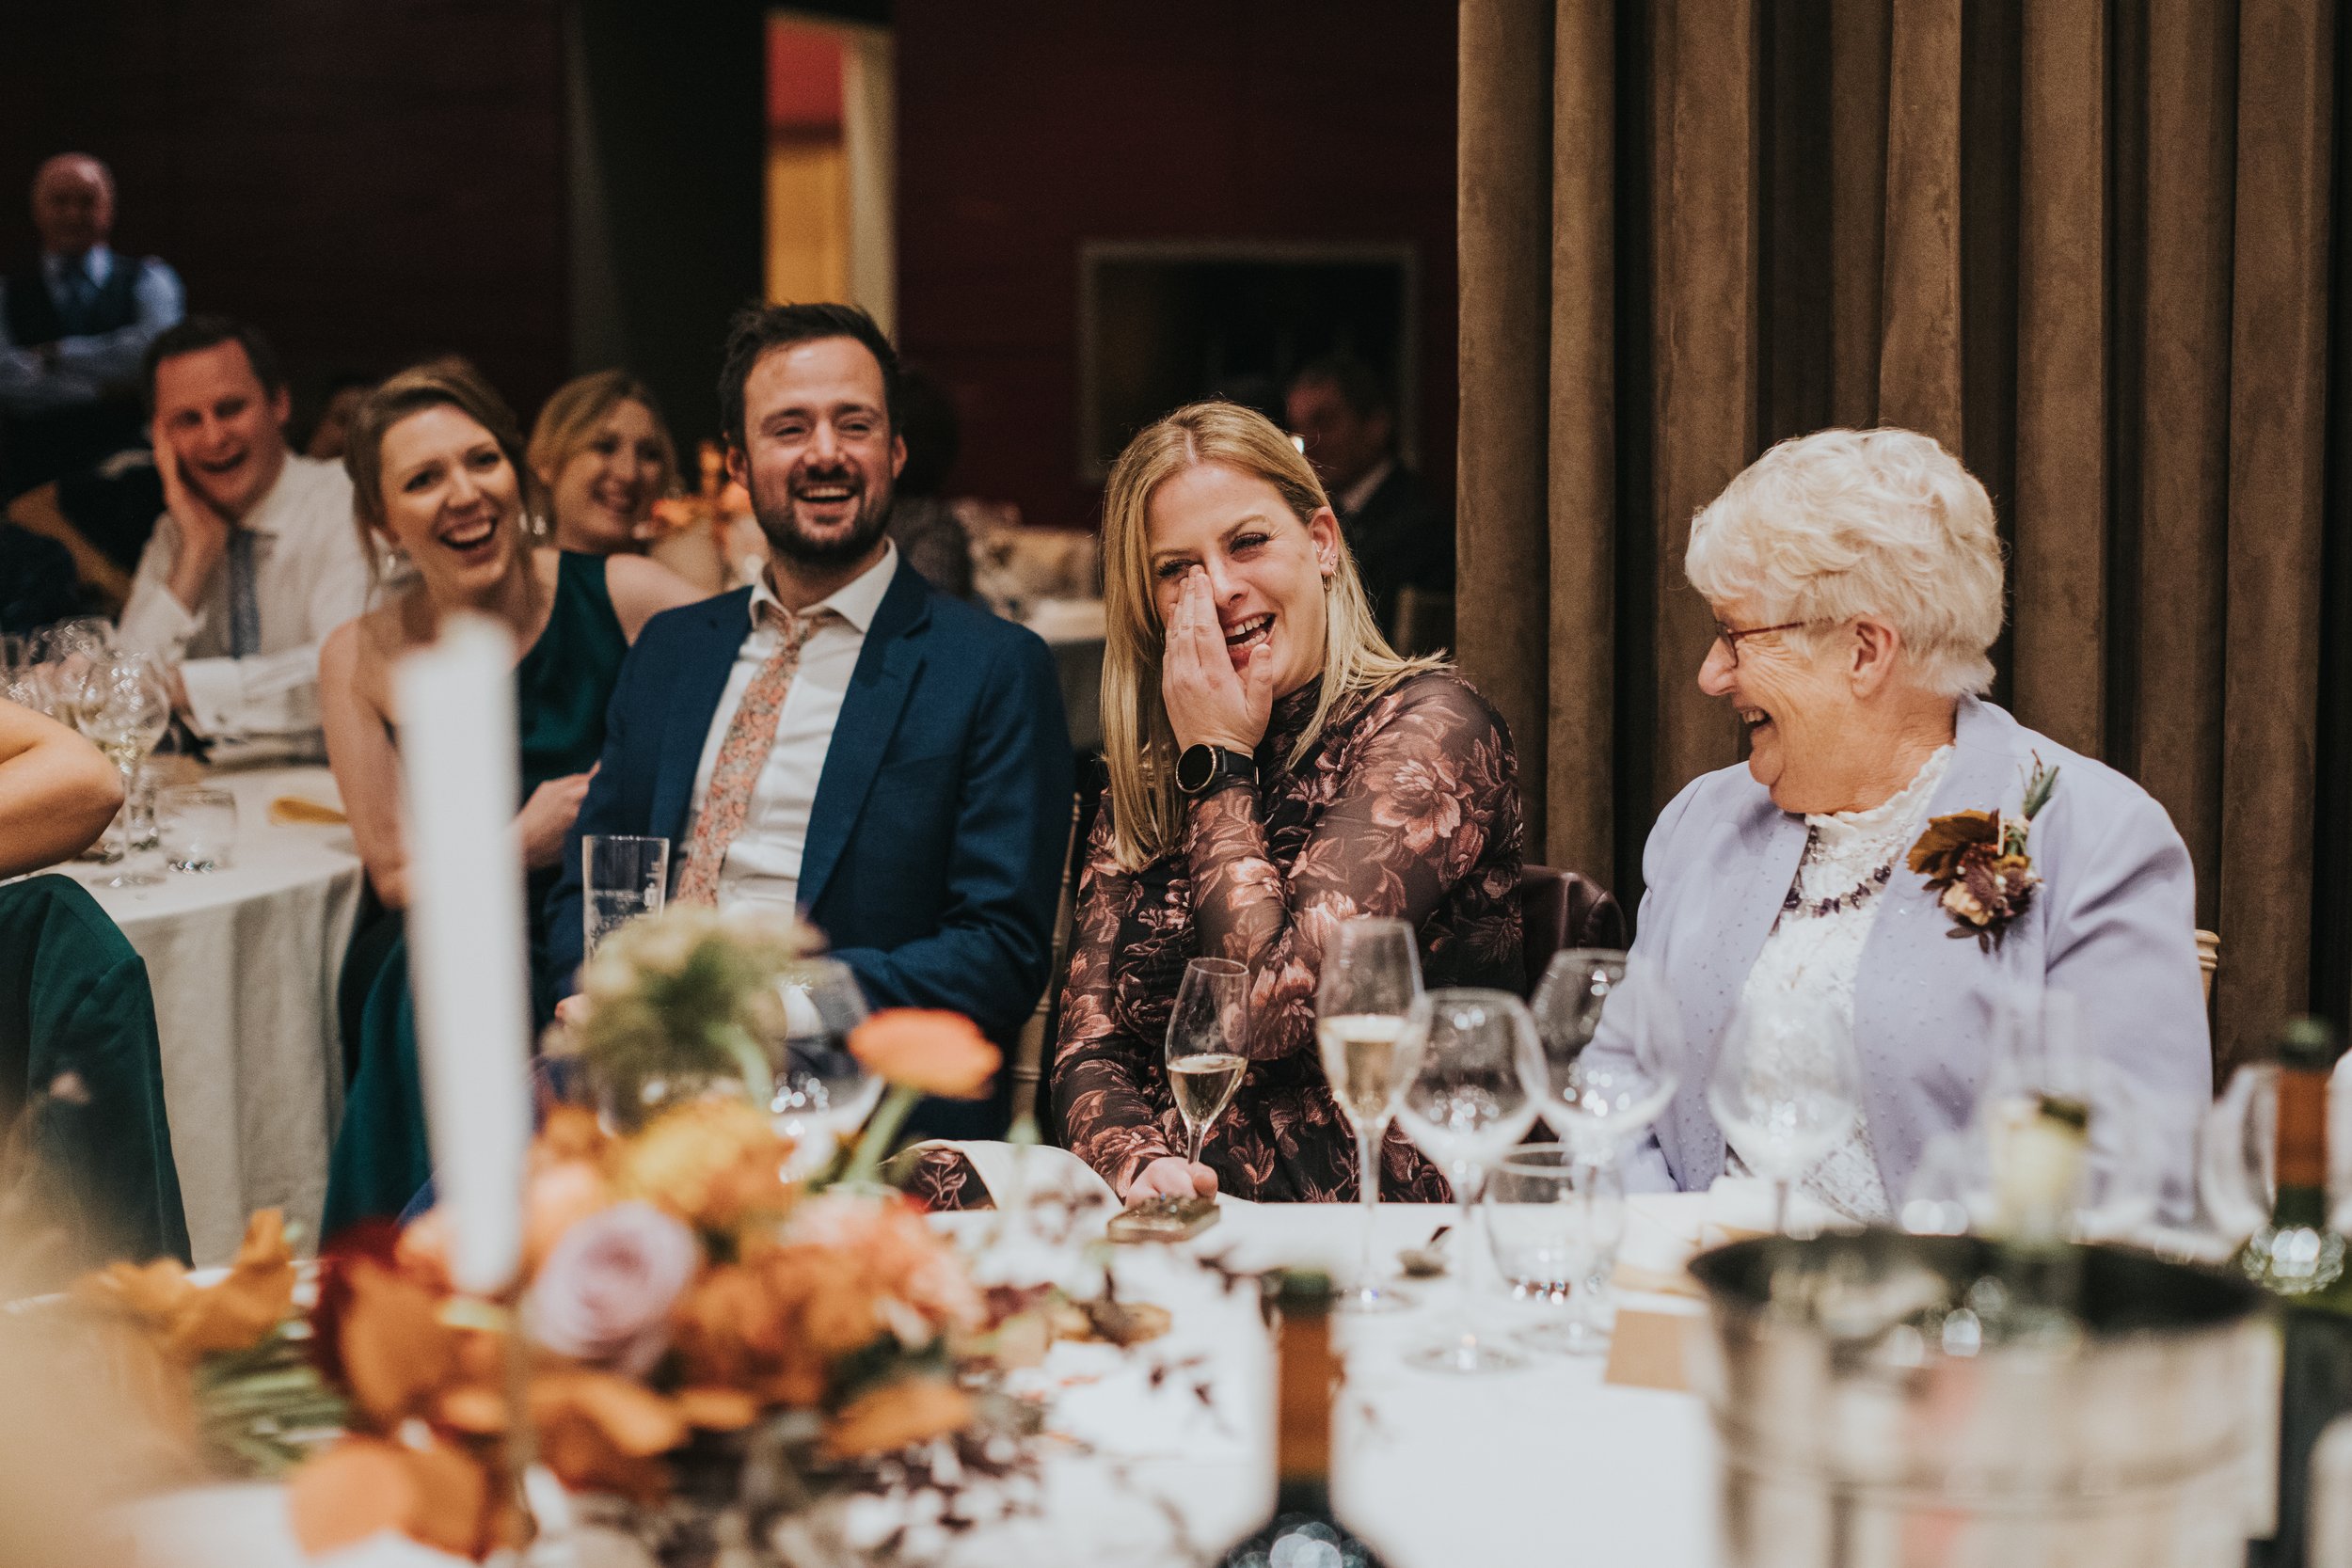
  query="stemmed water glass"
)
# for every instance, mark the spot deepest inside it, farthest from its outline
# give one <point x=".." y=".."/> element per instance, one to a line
<point x="1602" y="1087"/>
<point x="1472" y="1094"/>
<point x="1371" y="974"/>
<point x="1208" y="1031"/>
<point x="821" y="1094"/>
<point x="122" y="705"/>
<point x="1786" y="1090"/>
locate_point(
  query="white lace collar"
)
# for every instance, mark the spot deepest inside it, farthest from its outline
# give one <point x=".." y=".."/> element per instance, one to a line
<point x="1865" y="839"/>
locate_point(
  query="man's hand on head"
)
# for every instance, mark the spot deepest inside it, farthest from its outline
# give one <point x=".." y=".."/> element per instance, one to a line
<point x="204" y="528"/>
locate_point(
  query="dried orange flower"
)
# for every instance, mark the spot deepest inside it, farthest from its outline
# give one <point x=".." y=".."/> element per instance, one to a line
<point x="921" y="1048"/>
<point x="605" y="1434"/>
<point x="712" y="1162"/>
<point x="253" y="1299"/>
<point x="896" y="1415"/>
<point x="435" y="1494"/>
<point x="397" y="1353"/>
<point x="232" y="1313"/>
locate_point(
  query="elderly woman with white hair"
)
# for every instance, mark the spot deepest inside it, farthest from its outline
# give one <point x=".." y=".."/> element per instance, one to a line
<point x="1856" y="580"/>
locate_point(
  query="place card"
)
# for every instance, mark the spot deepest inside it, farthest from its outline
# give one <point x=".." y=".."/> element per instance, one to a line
<point x="1647" y="1349"/>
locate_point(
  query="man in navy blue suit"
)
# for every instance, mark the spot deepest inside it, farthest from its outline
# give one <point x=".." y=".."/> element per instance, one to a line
<point x="838" y="736"/>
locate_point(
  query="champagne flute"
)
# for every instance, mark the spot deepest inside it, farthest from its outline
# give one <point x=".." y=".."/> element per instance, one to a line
<point x="1371" y="974"/>
<point x="1472" y="1094"/>
<point x="123" y="706"/>
<point x="1208" y="1034"/>
<point x="1786" y="1090"/>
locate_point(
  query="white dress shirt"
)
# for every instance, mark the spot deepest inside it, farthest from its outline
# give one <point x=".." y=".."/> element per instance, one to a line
<point x="311" y="575"/>
<point x="763" y="865"/>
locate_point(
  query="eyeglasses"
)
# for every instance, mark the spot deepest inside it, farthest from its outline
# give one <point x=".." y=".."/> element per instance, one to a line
<point x="1730" y="636"/>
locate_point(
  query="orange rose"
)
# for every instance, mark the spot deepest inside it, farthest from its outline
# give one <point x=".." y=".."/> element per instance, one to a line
<point x="897" y="1416"/>
<point x="920" y="1048"/>
<point x="559" y="1196"/>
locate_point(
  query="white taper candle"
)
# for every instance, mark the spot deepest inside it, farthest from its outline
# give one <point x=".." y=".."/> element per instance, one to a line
<point x="466" y="939"/>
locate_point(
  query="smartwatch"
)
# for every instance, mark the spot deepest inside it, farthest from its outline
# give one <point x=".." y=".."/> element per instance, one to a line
<point x="1203" y="769"/>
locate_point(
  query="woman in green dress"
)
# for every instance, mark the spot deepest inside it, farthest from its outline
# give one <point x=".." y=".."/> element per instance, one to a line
<point x="438" y="477"/>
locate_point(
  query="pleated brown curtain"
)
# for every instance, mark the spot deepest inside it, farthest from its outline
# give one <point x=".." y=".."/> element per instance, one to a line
<point x="2084" y="242"/>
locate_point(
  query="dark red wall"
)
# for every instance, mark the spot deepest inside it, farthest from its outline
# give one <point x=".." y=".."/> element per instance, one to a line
<point x="1023" y="129"/>
<point x="367" y="182"/>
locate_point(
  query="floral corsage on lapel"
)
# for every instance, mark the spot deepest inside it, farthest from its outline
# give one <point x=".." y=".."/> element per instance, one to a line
<point x="1976" y="860"/>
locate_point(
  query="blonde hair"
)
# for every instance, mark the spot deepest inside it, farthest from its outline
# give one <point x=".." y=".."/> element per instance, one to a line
<point x="1146" y="817"/>
<point x="567" y="422"/>
<point x="1842" y="523"/>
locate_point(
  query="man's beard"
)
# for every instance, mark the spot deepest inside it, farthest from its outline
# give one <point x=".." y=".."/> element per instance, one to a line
<point x="779" y="521"/>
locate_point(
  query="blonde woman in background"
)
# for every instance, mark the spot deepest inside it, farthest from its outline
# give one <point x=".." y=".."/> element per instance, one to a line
<point x="1275" y="768"/>
<point x="602" y="453"/>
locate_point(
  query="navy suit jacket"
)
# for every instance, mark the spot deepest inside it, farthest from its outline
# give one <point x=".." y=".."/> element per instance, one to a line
<point x="941" y="819"/>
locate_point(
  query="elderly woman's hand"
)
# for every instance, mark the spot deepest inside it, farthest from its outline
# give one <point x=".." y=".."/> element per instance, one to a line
<point x="1209" y="702"/>
<point x="1171" y="1178"/>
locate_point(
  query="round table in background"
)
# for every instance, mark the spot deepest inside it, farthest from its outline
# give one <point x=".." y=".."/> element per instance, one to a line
<point x="244" y="962"/>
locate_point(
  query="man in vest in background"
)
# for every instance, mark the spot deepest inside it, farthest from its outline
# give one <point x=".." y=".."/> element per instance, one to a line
<point x="73" y="327"/>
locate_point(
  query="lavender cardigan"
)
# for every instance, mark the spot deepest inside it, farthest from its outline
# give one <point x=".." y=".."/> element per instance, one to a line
<point x="2113" y="923"/>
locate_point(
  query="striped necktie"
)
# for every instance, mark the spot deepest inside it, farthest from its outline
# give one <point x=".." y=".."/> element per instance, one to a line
<point x="245" y="610"/>
<point x="743" y="757"/>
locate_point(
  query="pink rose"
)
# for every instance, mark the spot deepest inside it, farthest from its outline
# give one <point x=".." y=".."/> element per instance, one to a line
<point x="604" y="1294"/>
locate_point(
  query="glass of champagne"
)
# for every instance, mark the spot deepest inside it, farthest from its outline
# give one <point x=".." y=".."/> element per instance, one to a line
<point x="1473" y="1093"/>
<point x="621" y="878"/>
<point x="1371" y="974"/>
<point x="122" y="705"/>
<point x="1786" y="1090"/>
<point x="1208" y="1033"/>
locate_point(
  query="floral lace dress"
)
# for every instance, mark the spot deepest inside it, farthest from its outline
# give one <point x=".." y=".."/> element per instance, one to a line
<point x="1408" y="805"/>
<point x="1815" y="950"/>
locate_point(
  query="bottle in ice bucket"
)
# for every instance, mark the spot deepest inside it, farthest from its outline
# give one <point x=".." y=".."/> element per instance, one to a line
<point x="1301" y="1533"/>
<point x="2300" y="1259"/>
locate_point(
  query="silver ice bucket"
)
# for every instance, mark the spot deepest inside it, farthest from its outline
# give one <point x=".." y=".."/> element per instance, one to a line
<point x="1869" y="1417"/>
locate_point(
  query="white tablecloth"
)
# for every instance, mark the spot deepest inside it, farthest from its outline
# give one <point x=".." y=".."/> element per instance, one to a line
<point x="1548" y="1464"/>
<point x="244" y="963"/>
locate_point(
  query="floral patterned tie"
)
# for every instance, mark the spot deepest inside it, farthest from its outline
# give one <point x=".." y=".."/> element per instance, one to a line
<point x="743" y="757"/>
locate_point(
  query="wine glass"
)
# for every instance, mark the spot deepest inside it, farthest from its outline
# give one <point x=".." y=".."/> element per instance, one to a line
<point x="1371" y="974"/>
<point x="1472" y="1094"/>
<point x="1612" y="1050"/>
<point x="1208" y="1033"/>
<point x="2041" y="1060"/>
<point x="822" y="1094"/>
<point x="2237" y="1153"/>
<point x="122" y="705"/>
<point x="1786" y="1090"/>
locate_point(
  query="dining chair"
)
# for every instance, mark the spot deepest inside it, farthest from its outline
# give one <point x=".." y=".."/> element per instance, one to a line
<point x="1559" y="909"/>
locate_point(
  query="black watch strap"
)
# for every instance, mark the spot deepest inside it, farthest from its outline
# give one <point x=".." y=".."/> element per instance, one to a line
<point x="1205" y="770"/>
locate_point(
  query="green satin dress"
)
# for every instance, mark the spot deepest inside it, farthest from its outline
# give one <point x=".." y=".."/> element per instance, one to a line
<point x="381" y="1158"/>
